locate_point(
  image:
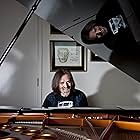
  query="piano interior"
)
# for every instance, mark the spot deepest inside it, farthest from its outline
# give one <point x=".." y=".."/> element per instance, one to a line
<point x="73" y="124"/>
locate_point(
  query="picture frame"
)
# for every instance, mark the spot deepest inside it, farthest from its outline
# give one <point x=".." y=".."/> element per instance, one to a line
<point x="67" y="54"/>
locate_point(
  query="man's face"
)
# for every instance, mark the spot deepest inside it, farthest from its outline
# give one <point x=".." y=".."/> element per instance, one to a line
<point x="64" y="85"/>
<point x="97" y="32"/>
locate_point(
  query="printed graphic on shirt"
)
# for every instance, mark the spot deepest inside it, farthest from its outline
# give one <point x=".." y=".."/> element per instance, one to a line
<point x="65" y="104"/>
<point x="116" y="22"/>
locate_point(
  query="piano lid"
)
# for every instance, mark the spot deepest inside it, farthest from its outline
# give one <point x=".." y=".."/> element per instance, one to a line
<point x="70" y="16"/>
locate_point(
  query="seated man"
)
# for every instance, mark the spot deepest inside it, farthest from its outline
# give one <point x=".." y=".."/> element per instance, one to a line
<point x="64" y="93"/>
<point x="110" y="28"/>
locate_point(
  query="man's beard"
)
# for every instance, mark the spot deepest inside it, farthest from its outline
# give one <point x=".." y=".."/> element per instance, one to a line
<point x="65" y="92"/>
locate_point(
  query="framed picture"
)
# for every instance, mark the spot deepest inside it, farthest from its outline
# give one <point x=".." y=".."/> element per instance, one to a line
<point x="67" y="54"/>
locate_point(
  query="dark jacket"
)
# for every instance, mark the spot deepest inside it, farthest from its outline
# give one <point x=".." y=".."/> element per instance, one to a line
<point x="78" y="97"/>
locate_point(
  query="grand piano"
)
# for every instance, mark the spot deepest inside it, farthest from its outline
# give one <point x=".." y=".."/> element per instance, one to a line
<point x="93" y="123"/>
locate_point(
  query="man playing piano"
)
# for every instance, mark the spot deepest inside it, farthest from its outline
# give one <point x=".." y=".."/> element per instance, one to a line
<point x="64" y="93"/>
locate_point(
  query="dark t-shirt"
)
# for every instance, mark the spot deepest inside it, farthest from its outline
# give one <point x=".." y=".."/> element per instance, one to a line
<point x="77" y="98"/>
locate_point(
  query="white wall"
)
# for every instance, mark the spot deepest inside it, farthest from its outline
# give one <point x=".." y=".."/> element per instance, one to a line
<point x="104" y="85"/>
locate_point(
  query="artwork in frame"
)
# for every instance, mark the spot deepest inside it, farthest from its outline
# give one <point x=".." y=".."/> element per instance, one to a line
<point x="67" y="54"/>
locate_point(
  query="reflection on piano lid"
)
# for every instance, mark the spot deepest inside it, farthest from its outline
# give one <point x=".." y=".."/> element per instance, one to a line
<point x="77" y="14"/>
